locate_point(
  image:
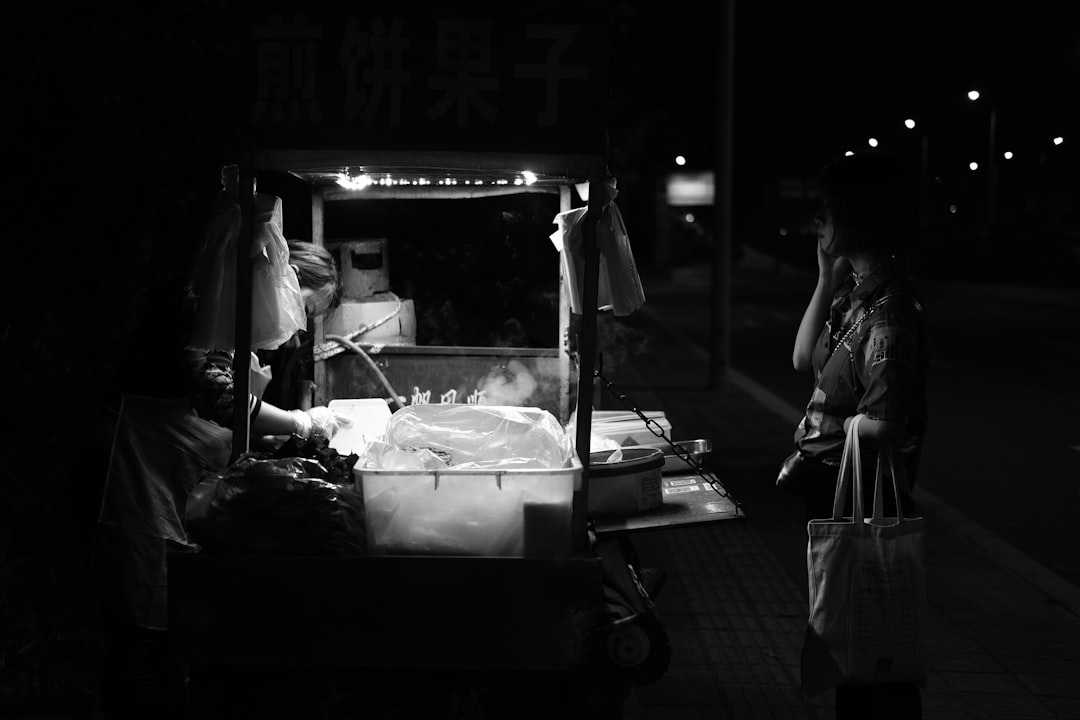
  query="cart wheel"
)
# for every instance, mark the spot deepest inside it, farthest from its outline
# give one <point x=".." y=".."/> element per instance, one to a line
<point x="639" y="650"/>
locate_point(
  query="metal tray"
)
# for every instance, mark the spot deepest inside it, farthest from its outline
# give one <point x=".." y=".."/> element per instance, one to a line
<point x="698" y="450"/>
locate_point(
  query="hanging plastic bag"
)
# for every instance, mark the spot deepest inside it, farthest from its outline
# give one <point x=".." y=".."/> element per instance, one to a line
<point x="213" y="279"/>
<point x="619" y="285"/>
<point x="277" y="307"/>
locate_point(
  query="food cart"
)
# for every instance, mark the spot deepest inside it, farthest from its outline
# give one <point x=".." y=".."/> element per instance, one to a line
<point x="459" y="102"/>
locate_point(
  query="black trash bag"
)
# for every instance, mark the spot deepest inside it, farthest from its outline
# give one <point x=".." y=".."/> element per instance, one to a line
<point x="265" y="505"/>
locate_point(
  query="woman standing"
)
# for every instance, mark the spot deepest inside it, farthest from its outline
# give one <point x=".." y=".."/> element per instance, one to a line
<point x="864" y="337"/>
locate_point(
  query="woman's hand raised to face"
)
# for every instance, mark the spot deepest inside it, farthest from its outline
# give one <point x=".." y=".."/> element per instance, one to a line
<point x="833" y="268"/>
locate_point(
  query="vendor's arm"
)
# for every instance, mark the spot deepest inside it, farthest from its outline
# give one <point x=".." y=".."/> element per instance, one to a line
<point x="272" y="420"/>
<point x="213" y="399"/>
<point x="830" y="271"/>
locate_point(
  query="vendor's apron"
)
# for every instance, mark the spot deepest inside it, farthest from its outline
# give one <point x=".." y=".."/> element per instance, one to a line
<point x="161" y="450"/>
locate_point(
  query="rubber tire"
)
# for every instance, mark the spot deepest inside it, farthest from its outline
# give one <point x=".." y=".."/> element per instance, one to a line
<point x="644" y="636"/>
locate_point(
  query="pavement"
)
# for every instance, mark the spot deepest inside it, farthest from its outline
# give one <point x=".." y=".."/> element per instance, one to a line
<point x="1005" y="630"/>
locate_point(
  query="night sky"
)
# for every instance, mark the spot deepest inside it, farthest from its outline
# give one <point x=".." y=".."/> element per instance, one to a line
<point x="815" y="79"/>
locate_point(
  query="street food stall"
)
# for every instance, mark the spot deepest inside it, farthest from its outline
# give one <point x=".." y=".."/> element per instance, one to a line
<point x="514" y="615"/>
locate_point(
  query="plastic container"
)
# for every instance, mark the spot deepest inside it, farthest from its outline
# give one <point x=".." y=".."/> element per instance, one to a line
<point x="369" y="417"/>
<point x="477" y="512"/>
<point x="625" y="481"/>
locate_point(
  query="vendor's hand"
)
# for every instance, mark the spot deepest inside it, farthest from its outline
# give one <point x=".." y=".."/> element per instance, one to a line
<point x="833" y="268"/>
<point x="319" y="421"/>
<point x="326" y="422"/>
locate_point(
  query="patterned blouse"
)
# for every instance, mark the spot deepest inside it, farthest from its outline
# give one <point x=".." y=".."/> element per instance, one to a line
<point x="871" y="358"/>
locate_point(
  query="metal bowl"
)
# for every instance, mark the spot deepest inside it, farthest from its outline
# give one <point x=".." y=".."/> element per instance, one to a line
<point x="698" y="450"/>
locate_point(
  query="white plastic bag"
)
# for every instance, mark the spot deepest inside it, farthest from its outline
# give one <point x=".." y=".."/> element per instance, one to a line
<point x="619" y="285"/>
<point x="277" y="307"/>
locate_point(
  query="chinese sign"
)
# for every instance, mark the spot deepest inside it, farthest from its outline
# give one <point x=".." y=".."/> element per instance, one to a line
<point x="444" y="77"/>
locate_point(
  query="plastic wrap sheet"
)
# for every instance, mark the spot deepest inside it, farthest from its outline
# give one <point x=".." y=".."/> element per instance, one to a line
<point x="464" y="436"/>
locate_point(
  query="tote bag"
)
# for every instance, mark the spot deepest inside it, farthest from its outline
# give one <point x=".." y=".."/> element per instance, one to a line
<point x="867" y="621"/>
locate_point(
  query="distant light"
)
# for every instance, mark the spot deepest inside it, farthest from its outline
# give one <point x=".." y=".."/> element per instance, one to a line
<point x="849" y="153"/>
<point x="872" y="142"/>
<point x="529" y="175"/>
<point x="690" y="188"/>
<point x="973" y="165"/>
<point x="1058" y="140"/>
<point x="909" y="124"/>
<point x="783" y="232"/>
<point x="1007" y="155"/>
<point x="973" y="94"/>
<point x="952" y="209"/>
<point x="689" y="217"/>
<point x="680" y="160"/>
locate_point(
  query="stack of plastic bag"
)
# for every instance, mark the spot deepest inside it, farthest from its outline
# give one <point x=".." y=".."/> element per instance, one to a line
<point x="277" y="310"/>
<point x="213" y="279"/>
<point x="619" y="288"/>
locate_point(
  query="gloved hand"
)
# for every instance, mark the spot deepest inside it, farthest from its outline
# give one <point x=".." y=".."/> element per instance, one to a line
<point x="319" y="422"/>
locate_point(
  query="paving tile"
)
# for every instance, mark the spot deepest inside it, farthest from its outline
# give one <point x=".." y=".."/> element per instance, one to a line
<point x="1064" y="650"/>
<point x="671" y="713"/>
<point x="1063" y="707"/>
<point x="942" y="699"/>
<point x="978" y="662"/>
<point x="1007" y="706"/>
<point x="1043" y="666"/>
<point x="992" y="683"/>
<point x="1052" y="685"/>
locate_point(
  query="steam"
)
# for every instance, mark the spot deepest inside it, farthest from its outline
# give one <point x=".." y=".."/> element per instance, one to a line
<point x="510" y="385"/>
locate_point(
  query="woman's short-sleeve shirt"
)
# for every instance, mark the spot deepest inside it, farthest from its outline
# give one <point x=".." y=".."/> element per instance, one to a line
<point x="878" y="370"/>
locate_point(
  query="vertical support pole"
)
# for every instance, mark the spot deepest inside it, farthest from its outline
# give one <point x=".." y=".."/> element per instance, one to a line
<point x="720" y="317"/>
<point x="587" y="355"/>
<point x="563" y="341"/>
<point x="662" y="249"/>
<point x="319" y="395"/>
<point x="242" y="351"/>
<point x="991" y="174"/>
<point x="924" y="192"/>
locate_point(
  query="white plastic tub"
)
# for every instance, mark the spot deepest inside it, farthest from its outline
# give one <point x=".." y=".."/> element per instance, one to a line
<point x="478" y="512"/>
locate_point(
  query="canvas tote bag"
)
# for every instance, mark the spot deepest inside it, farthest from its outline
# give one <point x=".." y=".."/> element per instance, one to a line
<point x="867" y="621"/>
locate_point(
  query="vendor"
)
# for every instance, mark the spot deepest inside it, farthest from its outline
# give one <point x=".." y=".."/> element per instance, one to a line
<point x="175" y="412"/>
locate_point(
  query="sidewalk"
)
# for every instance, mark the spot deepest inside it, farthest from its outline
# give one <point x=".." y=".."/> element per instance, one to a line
<point x="1005" y="632"/>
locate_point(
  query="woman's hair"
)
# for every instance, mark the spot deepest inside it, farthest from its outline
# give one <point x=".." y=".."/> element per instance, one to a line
<point x="317" y="269"/>
<point x="869" y="198"/>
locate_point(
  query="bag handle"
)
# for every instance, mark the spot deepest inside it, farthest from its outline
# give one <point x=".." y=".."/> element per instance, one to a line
<point x="850" y="464"/>
<point x="896" y="471"/>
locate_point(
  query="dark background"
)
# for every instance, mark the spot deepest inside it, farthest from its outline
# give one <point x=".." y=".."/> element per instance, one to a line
<point x="115" y="143"/>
